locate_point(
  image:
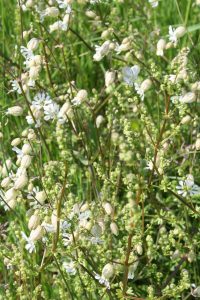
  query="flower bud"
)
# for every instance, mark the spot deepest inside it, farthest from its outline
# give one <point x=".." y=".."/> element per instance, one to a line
<point x="25" y="161"/>
<point x="186" y="119"/>
<point x="31" y="135"/>
<point x="24" y="133"/>
<point x="108" y="208"/>
<point x="188" y="98"/>
<point x="196" y="292"/>
<point x="82" y="95"/>
<point x="37" y="233"/>
<point x="90" y="14"/>
<point x="180" y="31"/>
<point x="33" y="44"/>
<point x="26" y="149"/>
<point x="41" y="196"/>
<point x="54" y="218"/>
<point x="109" y="78"/>
<point x="139" y="249"/>
<point x="84" y="207"/>
<point x="160" y="47"/>
<point x="16" y="142"/>
<point x="65" y="109"/>
<point x="197" y="144"/>
<point x="29" y="3"/>
<point x="146" y="85"/>
<point x="5" y="182"/>
<point x="108" y="271"/>
<point x="99" y="120"/>
<point x="114" y="228"/>
<point x="195" y="86"/>
<point x="34" y="72"/>
<point x="30" y="187"/>
<point x="52" y="11"/>
<point x="15" y="111"/>
<point x="96" y="230"/>
<point x="34" y="221"/>
<point x="12" y="203"/>
<point x="10" y="194"/>
<point x="21" y="182"/>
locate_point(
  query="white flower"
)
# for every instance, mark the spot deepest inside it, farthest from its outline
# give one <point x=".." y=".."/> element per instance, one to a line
<point x="102" y="280"/>
<point x="49" y="12"/>
<point x="41" y="99"/>
<point x="67" y="239"/>
<point x="27" y="53"/>
<point x="172" y="35"/>
<point x="70" y="267"/>
<point x="139" y="90"/>
<point x="64" y="4"/>
<point x="51" y="110"/>
<point x="80" y="97"/>
<point x="84" y="215"/>
<point x="154" y="3"/>
<point x="19" y="152"/>
<point x="95" y="240"/>
<point x="130" y="74"/>
<point x="16" y="87"/>
<point x="188" y="187"/>
<point x="149" y="165"/>
<point x="30" y="246"/>
<point x="38" y="196"/>
<point x="30" y="121"/>
<point x="175" y="34"/>
<point x="101" y="51"/>
<point x="64" y="225"/>
<point x="58" y="25"/>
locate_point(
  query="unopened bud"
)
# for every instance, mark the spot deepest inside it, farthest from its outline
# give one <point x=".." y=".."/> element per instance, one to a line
<point x="16" y="142"/>
<point x="15" y="111"/>
<point x="26" y="149"/>
<point x="37" y="233"/>
<point x="114" y="228"/>
<point x="108" y="208"/>
<point x="41" y="196"/>
<point x="146" y="85"/>
<point x="26" y="161"/>
<point x="109" y="78"/>
<point x="186" y="119"/>
<point x="34" y="221"/>
<point x="99" y="120"/>
<point x="5" y="182"/>
<point x="160" y="47"/>
<point x="108" y="271"/>
<point x="188" y="97"/>
<point x="33" y="44"/>
<point x="21" y="182"/>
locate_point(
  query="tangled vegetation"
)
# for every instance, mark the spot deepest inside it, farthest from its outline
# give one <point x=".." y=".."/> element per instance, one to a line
<point x="99" y="149"/>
